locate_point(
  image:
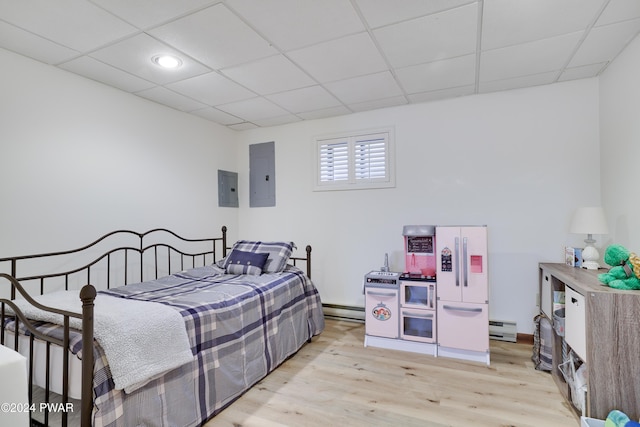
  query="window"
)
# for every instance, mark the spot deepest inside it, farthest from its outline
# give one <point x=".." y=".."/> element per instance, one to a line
<point x="353" y="161"/>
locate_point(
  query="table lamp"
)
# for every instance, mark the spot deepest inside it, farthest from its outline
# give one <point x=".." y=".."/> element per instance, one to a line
<point x="589" y="221"/>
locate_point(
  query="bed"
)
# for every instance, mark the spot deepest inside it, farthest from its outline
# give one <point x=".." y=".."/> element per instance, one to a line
<point x="172" y="336"/>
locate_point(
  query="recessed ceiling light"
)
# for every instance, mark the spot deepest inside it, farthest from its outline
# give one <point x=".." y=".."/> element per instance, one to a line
<point x="169" y="62"/>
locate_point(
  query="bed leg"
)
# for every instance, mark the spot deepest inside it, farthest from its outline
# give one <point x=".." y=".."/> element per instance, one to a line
<point x="224" y="241"/>
<point x="308" y="248"/>
<point x="87" y="295"/>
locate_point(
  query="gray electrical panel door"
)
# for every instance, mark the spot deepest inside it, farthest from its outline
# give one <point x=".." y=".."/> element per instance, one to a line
<point x="262" y="175"/>
<point x="227" y="189"/>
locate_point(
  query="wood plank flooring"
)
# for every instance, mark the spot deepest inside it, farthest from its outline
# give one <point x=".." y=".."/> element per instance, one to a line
<point x="336" y="381"/>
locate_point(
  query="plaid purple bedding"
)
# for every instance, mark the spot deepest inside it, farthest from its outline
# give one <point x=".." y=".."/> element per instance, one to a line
<point x="240" y="328"/>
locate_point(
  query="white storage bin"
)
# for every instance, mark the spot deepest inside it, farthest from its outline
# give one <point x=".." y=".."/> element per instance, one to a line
<point x="591" y="422"/>
<point x="575" y="321"/>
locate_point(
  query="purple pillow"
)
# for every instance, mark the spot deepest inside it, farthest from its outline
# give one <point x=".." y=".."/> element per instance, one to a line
<point x="241" y="262"/>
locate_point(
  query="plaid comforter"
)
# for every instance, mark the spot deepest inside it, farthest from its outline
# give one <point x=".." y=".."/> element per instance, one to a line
<point x="240" y="328"/>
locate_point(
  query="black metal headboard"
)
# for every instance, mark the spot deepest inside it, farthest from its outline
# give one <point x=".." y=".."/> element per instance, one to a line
<point x="140" y="256"/>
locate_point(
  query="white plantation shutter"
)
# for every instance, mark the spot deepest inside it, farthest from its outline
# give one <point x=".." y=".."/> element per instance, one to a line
<point x="359" y="160"/>
<point x="334" y="161"/>
<point x="371" y="157"/>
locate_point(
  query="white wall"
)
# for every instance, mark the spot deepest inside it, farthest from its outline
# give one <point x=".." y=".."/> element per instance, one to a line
<point x="80" y="159"/>
<point x="620" y="141"/>
<point x="514" y="161"/>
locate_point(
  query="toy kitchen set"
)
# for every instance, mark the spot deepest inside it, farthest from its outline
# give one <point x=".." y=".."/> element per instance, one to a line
<point x="439" y="304"/>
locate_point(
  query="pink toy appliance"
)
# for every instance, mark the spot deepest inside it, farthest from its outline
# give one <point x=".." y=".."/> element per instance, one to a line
<point x="419" y="245"/>
<point x="381" y="304"/>
<point x="418" y="284"/>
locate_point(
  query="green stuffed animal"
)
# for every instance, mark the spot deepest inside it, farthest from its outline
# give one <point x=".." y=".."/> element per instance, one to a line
<point x="625" y="268"/>
<point x="619" y="419"/>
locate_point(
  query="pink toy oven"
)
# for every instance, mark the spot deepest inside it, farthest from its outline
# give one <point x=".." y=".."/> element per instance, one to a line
<point x="419" y="244"/>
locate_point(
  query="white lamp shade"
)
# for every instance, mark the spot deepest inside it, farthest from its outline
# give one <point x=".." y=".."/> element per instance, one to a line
<point x="589" y="220"/>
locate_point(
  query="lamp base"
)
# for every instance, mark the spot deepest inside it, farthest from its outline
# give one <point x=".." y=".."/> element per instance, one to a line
<point x="590" y="257"/>
<point x="590" y="265"/>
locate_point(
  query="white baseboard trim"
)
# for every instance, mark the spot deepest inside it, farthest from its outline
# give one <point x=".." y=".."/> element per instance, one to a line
<point x="343" y="312"/>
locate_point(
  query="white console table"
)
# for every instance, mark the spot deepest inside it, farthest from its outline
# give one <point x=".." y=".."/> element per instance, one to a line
<point x="603" y="326"/>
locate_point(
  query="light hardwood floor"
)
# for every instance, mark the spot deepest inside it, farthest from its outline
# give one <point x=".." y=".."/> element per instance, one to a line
<point x="336" y="381"/>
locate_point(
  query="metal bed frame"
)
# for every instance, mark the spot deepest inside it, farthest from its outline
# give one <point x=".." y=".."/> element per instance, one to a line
<point x="88" y="294"/>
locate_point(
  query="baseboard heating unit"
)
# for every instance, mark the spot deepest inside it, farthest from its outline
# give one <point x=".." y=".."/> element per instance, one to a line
<point x="503" y="330"/>
<point x="343" y="312"/>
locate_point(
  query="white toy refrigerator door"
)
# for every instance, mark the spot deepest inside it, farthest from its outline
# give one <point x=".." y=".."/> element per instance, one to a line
<point x="448" y="263"/>
<point x="461" y="264"/>
<point x="475" y="281"/>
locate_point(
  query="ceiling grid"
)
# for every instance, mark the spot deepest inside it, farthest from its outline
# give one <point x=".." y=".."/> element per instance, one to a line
<point x="253" y="63"/>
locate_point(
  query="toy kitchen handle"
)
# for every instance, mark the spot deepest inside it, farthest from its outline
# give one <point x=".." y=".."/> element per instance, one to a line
<point x="468" y="309"/>
<point x="381" y="294"/>
<point x="465" y="262"/>
<point x="457" y="261"/>
<point x="432" y="290"/>
<point x="417" y="315"/>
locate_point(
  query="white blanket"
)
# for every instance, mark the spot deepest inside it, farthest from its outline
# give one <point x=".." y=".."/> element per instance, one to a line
<point x="140" y="339"/>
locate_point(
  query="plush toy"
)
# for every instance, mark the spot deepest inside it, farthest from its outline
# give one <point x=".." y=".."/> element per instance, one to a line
<point x="625" y="268"/>
<point x="619" y="419"/>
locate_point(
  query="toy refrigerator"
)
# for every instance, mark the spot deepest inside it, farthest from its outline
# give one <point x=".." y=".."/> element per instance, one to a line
<point x="463" y="293"/>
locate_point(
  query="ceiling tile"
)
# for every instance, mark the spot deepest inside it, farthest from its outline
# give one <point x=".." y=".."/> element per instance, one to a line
<point x="76" y="24"/>
<point x="134" y="56"/>
<point x="325" y="112"/>
<point x="96" y="70"/>
<point x="619" y="10"/>
<point x="216" y="37"/>
<point x="605" y="42"/>
<point x="212" y="89"/>
<point x="253" y="109"/>
<point x="28" y="44"/>
<point x="217" y="116"/>
<point x="383" y="12"/>
<point x="518" y="82"/>
<point x="276" y="121"/>
<point x="365" y="88"/>
<point x="171" y="99"/>
<point x="582" y="72"/>
<point x="305" y="99"/>
<point x="379" y="103"/>
<point x="442" y="94"/>
<point x="528" y="58"/>
<point x="431" y="38"/>
<point x="243" y="126"/>
<point x="335" y="59"/>
<point x="508" y="22"/>
<point x="438" y="75"/>
<point x="147" y="13"/>
<point x="269" y="75"/>
<point x="291" y="24"/>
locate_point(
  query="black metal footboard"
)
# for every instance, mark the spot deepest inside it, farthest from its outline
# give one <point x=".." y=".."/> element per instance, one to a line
<point x="14" y="315"/>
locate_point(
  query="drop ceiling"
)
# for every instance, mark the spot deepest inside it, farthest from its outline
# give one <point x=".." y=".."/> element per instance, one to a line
<point x="255" y="63"/>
